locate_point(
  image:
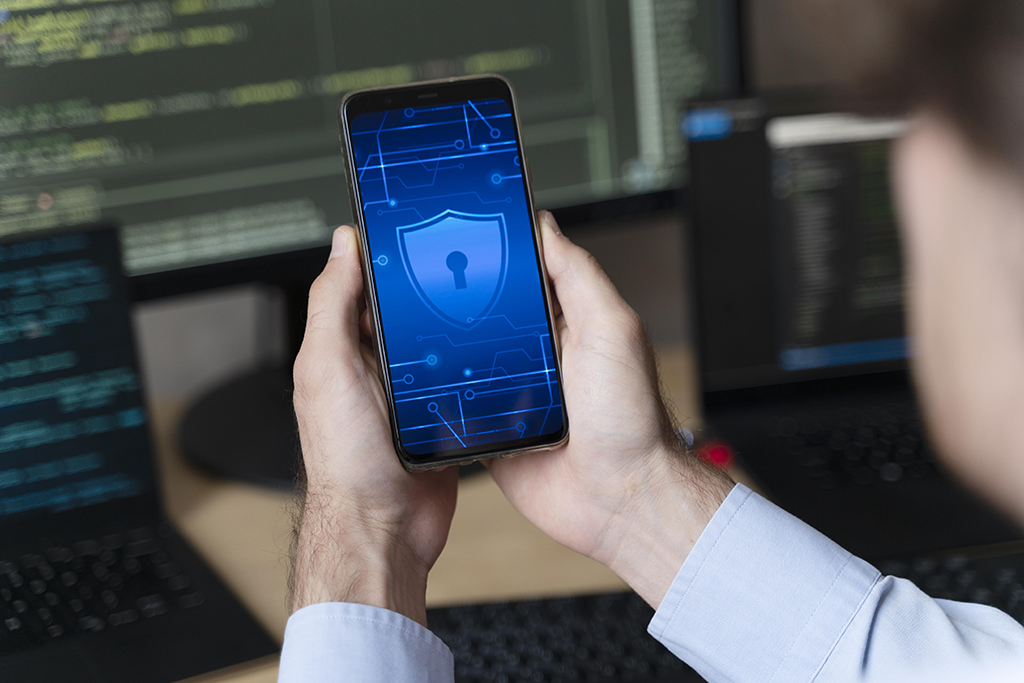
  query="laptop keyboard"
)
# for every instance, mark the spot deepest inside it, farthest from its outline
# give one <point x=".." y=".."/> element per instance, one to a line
<point x="585" y="638"/>
<point x="858" y="447"/>
<point x="91" y="585"/>
<point x="603" y="638"/>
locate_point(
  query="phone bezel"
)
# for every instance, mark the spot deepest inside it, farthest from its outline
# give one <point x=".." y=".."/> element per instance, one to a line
<point x="444" y="91"/>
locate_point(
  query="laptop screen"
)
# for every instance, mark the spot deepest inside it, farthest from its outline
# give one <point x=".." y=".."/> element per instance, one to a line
<point x="72" y="418"/>
<point x="797" y="258"/>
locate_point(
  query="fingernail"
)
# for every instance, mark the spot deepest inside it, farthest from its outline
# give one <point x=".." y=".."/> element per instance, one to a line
<point x="339" y="243"/>
<point x="550" y="221"/>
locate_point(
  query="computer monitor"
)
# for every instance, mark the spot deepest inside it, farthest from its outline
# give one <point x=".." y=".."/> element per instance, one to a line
<point x="208" y="128"/>
<point x="797" y="252"/>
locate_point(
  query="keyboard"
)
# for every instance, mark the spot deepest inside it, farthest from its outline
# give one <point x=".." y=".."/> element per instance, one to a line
<point x="591" y="638"/>
<point x="883" y="444"/>
<point x="603" y="638"/>
<point x="88" y="586"/>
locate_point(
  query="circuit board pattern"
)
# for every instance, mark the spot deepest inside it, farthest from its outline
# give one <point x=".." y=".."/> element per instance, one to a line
<point x="457" y="277"/>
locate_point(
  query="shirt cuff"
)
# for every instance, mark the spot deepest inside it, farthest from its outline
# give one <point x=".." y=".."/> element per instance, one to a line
<point x="762" y="596"/>
<point x="335" y="641"/>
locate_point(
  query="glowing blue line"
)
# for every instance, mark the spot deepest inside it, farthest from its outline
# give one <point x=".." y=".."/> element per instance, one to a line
<point x="414" y="126"/>
<point x="428" y="148"/>
<point x="551" y="398"/>
<point x="461" y="416"/>
<point x="489" y="126"/>
<point x="461" y="442"/>
<point x="437" y="167"/>
<point x="467" y="155"/>
<point x="482" y="341"/>
<point x="417" y="398"/>
<point x="439" y="159"/>
<point x="444" y="196"/>
<point x="407" y="208"/>
<point x="522" y="327"/>
<point x="432" y="182"/>
<point x="457" y="194"/>
<point x="411" y="362"/>
<point x="517" y="388"/>
<point x="366" y="166"/>
<point x="474" y="381"/>
<point x="383" y="173"/>
<point x="445" y="107"/>
<point x="425" y="163"/>
<point x="480" y="418"/>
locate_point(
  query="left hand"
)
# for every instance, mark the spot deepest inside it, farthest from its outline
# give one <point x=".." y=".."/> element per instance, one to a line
<point x="622" y="490"/>
<point x="369" y="531"/>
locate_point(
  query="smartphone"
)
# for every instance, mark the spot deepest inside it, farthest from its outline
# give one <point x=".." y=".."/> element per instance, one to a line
<point x="454" y="272"/>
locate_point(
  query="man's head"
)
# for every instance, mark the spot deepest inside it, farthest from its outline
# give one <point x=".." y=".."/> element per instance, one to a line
<point x="958" y="66"/>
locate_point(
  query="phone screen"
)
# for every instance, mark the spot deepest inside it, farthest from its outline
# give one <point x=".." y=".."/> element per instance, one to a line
<point x="458" y="280"/>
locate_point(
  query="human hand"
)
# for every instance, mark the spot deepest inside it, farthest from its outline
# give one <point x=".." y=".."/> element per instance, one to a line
<point x="621" y="491"/>
<point x="368" y="531"/>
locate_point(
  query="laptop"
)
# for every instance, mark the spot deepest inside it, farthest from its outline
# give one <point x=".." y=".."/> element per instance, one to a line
<point x="96" y="585"/>
<point x="799" y="293"/>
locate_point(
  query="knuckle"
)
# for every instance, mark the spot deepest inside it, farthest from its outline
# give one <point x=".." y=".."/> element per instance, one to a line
<point x="589" y="261"/>
<point x="318" y="319"/>
<point x="632" y="325"/>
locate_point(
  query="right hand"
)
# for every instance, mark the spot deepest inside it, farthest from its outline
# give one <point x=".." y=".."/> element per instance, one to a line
<point x="621" y="491"/>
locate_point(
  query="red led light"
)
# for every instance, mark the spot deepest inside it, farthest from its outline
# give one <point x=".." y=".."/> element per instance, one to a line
<point x="717" y="453"/>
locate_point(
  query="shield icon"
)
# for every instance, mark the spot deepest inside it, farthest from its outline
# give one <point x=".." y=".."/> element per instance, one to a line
<point x="456" y="262"/>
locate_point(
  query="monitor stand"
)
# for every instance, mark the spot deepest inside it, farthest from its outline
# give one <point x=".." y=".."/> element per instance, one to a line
<point x="245" y="428"/>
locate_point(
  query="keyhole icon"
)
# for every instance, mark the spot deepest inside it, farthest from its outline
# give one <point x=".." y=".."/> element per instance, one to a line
<point x="457" y="263"/>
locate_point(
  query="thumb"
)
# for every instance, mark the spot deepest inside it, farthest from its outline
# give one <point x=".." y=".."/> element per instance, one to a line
<point x="335" y="299"/>
<point x="585" y="293"/>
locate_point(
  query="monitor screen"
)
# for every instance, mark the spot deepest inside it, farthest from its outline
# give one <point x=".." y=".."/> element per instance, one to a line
<point x="798" y="263"/>
<point x="207" y="127"/>
<point x="72" y="420"/>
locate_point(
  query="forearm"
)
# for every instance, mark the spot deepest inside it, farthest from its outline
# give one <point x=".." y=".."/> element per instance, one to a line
<point x="654" y="535"/>
<point x="763" y="596"/>
<point x="345" y="555"/>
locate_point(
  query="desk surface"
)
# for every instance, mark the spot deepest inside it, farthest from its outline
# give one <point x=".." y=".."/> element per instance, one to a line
<point x="493" y="553"/>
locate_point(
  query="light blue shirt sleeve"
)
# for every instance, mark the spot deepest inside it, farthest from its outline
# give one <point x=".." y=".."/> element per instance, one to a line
<point x="764" y="597"/>
<point x="337" y="641"/>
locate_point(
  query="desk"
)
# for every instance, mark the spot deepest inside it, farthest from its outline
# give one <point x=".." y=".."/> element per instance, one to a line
<point x="493" y="553"/>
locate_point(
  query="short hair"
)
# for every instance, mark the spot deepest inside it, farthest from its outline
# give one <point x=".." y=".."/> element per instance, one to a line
<point x="961" y="58"/>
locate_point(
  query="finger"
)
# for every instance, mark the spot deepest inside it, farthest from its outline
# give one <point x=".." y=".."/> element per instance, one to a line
<point x="332" y="320"/>
<point x="585" y="294"/>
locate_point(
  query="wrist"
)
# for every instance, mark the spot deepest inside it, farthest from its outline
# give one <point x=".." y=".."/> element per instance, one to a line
<point x="349" y="558"/>
<point x="654" y="534"/>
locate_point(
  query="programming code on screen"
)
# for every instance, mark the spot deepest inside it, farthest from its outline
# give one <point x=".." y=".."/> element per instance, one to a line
<point x="208" y="127"/>
<point x="457" y="277"/>
<point x="841" y="282"/>
<point x="72" y="422"/>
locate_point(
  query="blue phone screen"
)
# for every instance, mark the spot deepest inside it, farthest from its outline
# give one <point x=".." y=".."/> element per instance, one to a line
<point x="458" y="283"/>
